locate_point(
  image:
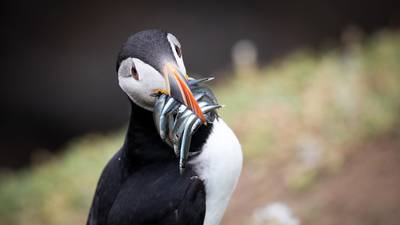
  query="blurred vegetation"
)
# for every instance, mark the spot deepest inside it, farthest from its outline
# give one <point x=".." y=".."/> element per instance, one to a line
<point x="59" y="191"/>
<point x="304" y="110"/>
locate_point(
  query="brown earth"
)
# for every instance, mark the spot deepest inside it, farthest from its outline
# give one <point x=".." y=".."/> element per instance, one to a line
<point x="365" y="191"/>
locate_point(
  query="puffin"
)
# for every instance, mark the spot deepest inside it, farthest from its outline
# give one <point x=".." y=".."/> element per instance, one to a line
<point x="145" y="183"/>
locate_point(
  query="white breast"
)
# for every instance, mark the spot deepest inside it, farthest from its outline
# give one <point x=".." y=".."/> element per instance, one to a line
<point x="219" y="165"/>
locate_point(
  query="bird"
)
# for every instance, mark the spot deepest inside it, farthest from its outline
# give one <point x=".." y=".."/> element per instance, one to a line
<point x="142" y="184"/>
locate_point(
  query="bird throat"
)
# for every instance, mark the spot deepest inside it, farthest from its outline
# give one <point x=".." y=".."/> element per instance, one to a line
<point x="142" y="135"/>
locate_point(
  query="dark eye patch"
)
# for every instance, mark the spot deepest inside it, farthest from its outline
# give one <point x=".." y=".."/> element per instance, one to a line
<point x="134" y="73"/>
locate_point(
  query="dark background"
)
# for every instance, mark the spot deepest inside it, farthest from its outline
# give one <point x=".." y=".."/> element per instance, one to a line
<point x="58" y="57"/>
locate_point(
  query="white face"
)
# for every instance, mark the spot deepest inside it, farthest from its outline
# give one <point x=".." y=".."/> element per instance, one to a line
<point x="139" y="80"/>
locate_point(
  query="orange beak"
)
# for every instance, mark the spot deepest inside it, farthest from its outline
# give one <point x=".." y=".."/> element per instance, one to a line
<point x="178" y="88"/>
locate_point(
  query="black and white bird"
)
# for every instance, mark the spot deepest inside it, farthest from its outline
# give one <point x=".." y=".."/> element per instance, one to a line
<point x="142" y="184"/>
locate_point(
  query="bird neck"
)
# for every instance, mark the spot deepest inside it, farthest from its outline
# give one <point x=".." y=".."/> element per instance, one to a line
<point x="142" y="141"/>
<point x="141" y="124"/>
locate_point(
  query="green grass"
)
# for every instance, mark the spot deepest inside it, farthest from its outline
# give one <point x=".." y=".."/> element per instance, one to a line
<point x="60" y="191"/>
<point x="302" y="111"/>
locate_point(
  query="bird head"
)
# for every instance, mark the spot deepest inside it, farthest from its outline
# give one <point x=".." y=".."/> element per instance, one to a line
<point x="149" y="63"/>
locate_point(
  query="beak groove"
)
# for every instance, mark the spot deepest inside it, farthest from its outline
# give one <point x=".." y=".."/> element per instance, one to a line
<point x="178" y="88"/>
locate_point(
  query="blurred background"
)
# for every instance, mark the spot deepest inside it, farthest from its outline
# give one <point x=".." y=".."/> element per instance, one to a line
<point x="312" y="89"/>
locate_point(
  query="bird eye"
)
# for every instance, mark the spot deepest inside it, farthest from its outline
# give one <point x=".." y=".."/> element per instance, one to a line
<point x="134" y="73"/>
<point x="178" y="51"/>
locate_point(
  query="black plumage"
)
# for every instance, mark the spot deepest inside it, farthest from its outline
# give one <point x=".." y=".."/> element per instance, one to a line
<point x="137" y="46"/>
<point x="141" y="184"/>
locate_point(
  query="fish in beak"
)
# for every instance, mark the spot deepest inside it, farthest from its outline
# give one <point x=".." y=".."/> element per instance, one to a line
<point x="178" y="88"/>
<point x="177" y="131"/>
